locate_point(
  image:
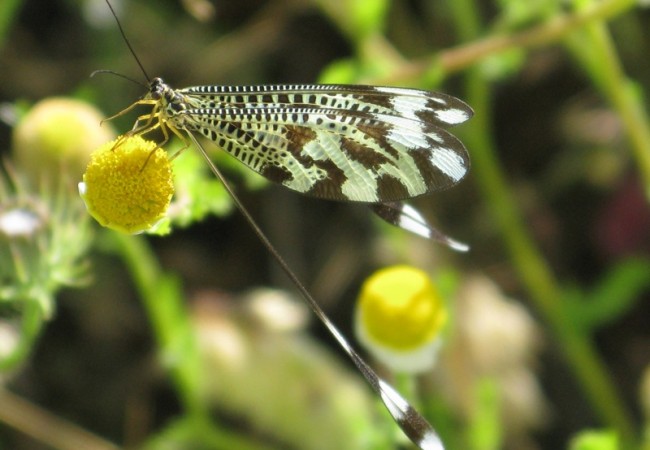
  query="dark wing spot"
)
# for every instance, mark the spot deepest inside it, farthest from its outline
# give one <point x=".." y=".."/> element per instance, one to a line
<point x="358" y="152"/>
<point x="389" y="187"/>
<point x="299" y="136"/>
<point x="330" y="187"/>
<point x="275" y="173"/>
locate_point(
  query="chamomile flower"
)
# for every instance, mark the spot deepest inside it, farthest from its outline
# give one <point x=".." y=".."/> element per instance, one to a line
<point x="128" y="184"/>
<point x="399" y="317"/>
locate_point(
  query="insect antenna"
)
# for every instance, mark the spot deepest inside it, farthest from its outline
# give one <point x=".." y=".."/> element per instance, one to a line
<point x="121" y="75"/>
<point x="126" y="40"/>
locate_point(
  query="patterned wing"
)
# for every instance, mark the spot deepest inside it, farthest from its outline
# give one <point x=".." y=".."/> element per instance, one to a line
<point x="410" y="219"/>
<point x="354" y="143"/>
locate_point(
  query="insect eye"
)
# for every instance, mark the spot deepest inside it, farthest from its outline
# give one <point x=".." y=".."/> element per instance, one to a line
<point x="156" y="88"/>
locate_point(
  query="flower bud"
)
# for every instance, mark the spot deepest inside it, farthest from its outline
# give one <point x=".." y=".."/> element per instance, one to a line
<point x="57" y="136"/>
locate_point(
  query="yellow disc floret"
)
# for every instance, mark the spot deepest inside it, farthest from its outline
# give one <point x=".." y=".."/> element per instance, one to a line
<point x="128" y="184"/>
<point x="400" y="308"/>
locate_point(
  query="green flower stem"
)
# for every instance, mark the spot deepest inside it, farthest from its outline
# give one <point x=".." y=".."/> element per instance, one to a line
<point x="537" y="276"/>
<point x="165" y="307"/>
<point x="462" y="57"/>
<point x="8" y="11"/>
<point x="163" y="301"/>
<point x="604" y="66"/>
<point x="594" y="49"/>
<point x="406" y="384"/>
<point x="549" y="32"/>
<point x="30" y="327"/>
<point x="535" y="273"/>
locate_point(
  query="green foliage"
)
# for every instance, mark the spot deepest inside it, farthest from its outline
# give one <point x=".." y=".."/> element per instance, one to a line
<point x="485" y="431"/>
<point x="613" y="296"/>
<point x="188" y="433"/>
<point x="198" y="193"/>
<point x="340" y="72"/>
<point x="358" y="19"/>
<point x="515" y="14"/>
<point x="44" y="237"/>
<point x="8" y="10"/>
<point x="595" y="440"/>
<point x="163" y="299"/>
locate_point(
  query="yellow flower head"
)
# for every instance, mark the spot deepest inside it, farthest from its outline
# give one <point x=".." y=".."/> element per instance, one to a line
<point x="128" y="184"/>
<point x="56" y="137"/>
<point x="399" y="316"/>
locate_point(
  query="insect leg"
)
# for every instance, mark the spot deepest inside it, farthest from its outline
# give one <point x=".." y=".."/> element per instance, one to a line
<point x="128" y="109"/>
<point x="182" y="137"/>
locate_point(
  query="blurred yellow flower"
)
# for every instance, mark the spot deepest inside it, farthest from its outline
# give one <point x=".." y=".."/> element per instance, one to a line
<point x="56" y="138"/>
<point x="128" y="184"/>
<point x="399" y="318"/>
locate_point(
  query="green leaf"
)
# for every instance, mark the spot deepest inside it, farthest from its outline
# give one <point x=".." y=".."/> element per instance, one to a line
<point x="595" y="440"/>
<point x="198" y="192"/>
<point x="614" y="296"/>
<point x="342" y="71"/>
<point x="9" y="10"/>
<point x="368" y="17"/>
<point x="357" y="18"/>
<point x="485" y="431"/>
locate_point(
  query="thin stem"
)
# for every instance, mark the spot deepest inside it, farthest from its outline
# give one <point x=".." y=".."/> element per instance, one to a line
<point x="45" y="427"/>
<point x="456" y="59"/>
<point x="543" y="288"/>
<point x="614" y="85"/>
<point x="462" y="57"/>
<point x="8" y="11"/>
<point x="163" y="300"/>
<point x="32" y="321"/>
<point x="595" y="50"/>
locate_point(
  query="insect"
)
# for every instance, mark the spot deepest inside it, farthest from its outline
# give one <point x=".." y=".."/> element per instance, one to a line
<point x="376" y="145"/>
<point x="338" y="142"/>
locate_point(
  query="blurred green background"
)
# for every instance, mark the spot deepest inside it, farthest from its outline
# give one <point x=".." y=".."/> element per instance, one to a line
<point x="555" y="210"/>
